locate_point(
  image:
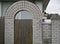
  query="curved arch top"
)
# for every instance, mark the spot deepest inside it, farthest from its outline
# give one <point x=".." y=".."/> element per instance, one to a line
<point x="23" y="5"/>
<point x="9" y="21"/>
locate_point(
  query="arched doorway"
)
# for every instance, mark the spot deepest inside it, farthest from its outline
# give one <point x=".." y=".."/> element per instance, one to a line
<point x="23" y="28"/>
<point x="36" y="17"/>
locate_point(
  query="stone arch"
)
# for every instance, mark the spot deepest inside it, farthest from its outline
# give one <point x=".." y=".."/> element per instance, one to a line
<point x="9" y="21"/>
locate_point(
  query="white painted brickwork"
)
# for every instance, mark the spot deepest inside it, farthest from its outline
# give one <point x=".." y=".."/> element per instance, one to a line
<point x="9" y="21"/>
<point x="46" y="33"/>
<point x="55" y="31"/>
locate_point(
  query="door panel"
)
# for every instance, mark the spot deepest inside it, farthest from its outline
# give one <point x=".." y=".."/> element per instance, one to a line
<point x="23" y="31"/>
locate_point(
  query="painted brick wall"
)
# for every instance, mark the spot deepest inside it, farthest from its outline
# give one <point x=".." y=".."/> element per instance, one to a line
<point x="55" y="31"/>
<point x="46" y="33"/>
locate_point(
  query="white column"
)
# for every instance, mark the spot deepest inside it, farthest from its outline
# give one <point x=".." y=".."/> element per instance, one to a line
<point x="9" y="31"/>
<point x="46" y="31"/>
<point x="55" y="31"/>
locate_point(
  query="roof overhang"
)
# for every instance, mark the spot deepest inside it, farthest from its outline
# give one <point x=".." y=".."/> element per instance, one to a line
<point x="45" y="3"/>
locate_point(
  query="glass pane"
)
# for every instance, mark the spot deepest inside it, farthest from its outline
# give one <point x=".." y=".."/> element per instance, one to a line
<point x="24" y="15"/>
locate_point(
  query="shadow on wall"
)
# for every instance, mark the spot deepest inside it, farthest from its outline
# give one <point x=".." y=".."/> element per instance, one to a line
<point x="1" y="30"/>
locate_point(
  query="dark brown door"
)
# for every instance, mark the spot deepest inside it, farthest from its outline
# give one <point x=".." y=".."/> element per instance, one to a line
<point x="23" y="31"/>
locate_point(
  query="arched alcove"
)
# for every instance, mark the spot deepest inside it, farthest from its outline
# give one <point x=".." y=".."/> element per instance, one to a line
<point x="9" y="21"/>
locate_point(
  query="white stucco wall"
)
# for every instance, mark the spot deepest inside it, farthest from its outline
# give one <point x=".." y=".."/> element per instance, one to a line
<point x="5" y="6"/>
<point x="0" y="9"/>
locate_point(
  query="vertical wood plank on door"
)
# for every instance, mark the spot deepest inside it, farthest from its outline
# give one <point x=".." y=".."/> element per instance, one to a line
<point x="23" y="31"/>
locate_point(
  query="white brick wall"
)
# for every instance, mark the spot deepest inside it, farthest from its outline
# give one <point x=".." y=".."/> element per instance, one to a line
<point x="36" y="17"/>
<point x="55" y="31"/>
<point x="46" y="33"/>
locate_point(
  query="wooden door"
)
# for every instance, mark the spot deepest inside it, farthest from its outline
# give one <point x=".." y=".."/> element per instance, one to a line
<point x="23" y="31"/>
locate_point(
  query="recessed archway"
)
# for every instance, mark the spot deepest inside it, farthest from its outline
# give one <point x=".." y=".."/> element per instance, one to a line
<point x="23" y="28"/>
<point x="9" y="21"/>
